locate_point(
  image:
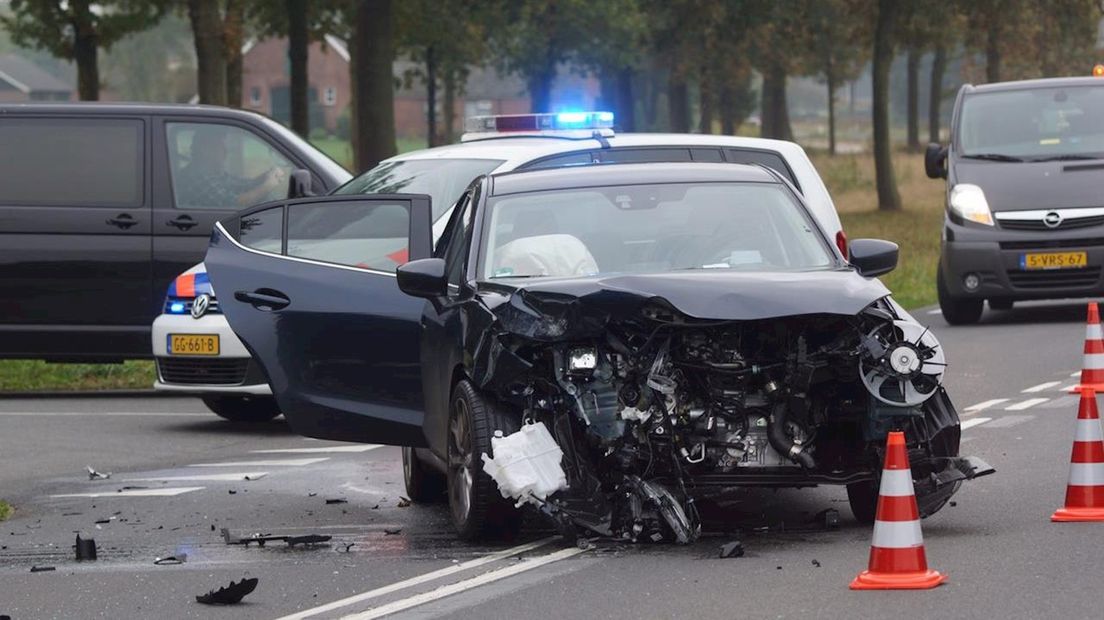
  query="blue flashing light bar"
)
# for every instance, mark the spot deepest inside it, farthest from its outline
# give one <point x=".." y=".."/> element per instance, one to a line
<point x="176" y="307"/>
<point x="561" y="121"/>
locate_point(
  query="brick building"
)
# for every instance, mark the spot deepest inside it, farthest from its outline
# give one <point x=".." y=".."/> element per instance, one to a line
<point x="22" y="80"/>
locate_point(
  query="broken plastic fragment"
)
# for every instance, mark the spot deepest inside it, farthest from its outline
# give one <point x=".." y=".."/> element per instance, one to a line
<point x="86" y="548"/>
<point x="171" y="560"/>
<point x="95" y="475"/>
<point x="308" y="539"/>
<point x="526" y="465"/>
<point x="42" y="569"/>
<point x="229" y="595"/>
<point x="734" y="549"/>
<point x="337" y="500"/>
<point x="403" y="502"/>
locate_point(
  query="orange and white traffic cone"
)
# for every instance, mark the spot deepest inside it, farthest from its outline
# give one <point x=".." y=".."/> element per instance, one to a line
<point x="897" y="558"/>
<point x="1085" y="491"/>
<point x="1092" y="368"/>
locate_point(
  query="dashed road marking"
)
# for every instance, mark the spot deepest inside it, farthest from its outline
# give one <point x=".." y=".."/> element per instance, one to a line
<point x="420" y="579"/>
<point x="268" y="463"/>
<point x="1069" y="388"/>
<point x="985" y="405"/>
<point x="319" y="450"/>
<point x="972" y="422"/>
<point x="936" y="311"/>
<point x="1076" y="375"/>
<point x="467" y="584"/>
<point x="234" y="477"/>
<point x="1041" y="387"/>
<point x="135" y="493"/>
<point x="1027" y="404"/>
<point x="1009" y="421"/>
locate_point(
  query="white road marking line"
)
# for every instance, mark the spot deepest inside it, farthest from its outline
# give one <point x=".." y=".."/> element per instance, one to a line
<point x="985" y="405"/>
<point x="1069" y="388"/>
<point x="936" y="311"/>
<point x="420" y="579"/>
<point x="268" y="463"/>
<point x="319" y="450"/>
<point x="90" y="414"/>
<point x="1027" y="404"/>
<point x="136" y="493"/>
<point x="461" y="586"/>
<point x="1040" y="387"/>
<point x="1009" y="421"/>
<point x="1076" y="375"/>
<point x="972" y="422"/>
<point x="235" y="477"/>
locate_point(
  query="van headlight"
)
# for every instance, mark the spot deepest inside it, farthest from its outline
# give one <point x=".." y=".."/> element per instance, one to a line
<point x="968" y="202"/>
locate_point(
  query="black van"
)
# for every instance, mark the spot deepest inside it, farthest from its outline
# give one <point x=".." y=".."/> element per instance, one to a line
<point x="1025" y="195"/>
<point x="102" y="205"/>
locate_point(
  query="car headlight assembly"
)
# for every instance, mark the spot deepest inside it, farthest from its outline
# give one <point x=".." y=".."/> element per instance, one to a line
<point x="968" y="202"/>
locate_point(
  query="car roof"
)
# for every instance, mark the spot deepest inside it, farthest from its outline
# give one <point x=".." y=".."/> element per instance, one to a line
<point x="1030" y="84"/>
<point x="517" y="150"/>
<point x="126" y="107"/>
<point x="568" y="177"/>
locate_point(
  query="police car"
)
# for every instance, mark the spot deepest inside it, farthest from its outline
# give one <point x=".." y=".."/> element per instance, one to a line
<point x="203" y="355"/>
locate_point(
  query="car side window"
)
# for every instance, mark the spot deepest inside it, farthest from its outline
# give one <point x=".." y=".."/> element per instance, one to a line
<point x="454" y="254"/>
<point x="769" y="159"/>
<point x="580" y="158"/>
<point x="263" y="230"/>
<point x="216" y="166"/>
<point x="645" y="156"/>
<point x="368" y="235"/>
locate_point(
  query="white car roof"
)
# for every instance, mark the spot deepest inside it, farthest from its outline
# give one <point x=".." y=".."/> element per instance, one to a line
<point x="515" y="151"/>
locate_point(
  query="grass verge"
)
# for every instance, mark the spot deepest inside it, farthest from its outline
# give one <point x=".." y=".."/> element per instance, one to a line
<point x="36" y="375"/>
<point x="916" y="228"/>
<point x="6" y="510"/>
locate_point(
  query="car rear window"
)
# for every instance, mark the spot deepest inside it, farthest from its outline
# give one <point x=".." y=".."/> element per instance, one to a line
<point x="72" y="162"/>
<point x="443" y="179"/>
<point x="770" y="159"/>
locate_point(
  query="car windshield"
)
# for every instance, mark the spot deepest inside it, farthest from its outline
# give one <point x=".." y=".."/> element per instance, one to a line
<point x="1034" y="124"/>
<point x="443" y="179"/>
<point x="649" y="228"/>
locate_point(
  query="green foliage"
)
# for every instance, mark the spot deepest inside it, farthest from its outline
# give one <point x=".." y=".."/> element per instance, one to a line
<point x="52" y="25"/>
<point x="30" y="375"/>
<point x="6" y="510"/>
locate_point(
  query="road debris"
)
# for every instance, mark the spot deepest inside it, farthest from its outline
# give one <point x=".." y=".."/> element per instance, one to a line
<point x="42" y="569"/>
<point x="95" y="475"/>
<point x="816" y="563"/>
<point x="252" y="477"/>
<point x="261" y="539"/>
<point x="403" y="502"/>
<point x="734" y="549"/>
<point x="348" y="546"/>
<point x="337" y="500"/>
<point x="86" y="548"/>
<point x="171" y="560"/>
<point x="309" y="539"/>
<point x="230" y="595"/>
<point x="828" y="518"/>
<point x="391" y="531"/>
<point x="130" y="488"/>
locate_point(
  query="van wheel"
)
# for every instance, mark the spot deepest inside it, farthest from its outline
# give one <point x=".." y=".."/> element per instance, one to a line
<point x="477" y="507"/>
<point x="423" y="484"/>
<point x="956" y="311"/>
<point x="1000" y="304"/>
<point x="863" y="498"/>
<point x="243" y="408"/>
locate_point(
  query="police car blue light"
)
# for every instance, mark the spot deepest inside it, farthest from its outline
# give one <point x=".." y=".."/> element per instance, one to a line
<point x="176" y="307"/>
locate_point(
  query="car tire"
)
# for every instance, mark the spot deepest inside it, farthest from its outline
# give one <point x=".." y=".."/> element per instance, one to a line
<point x="477" y="508"/>
<point x="1001" y="304"/>
<point x="242" y="408"/>
<point x="863" y="498"/>
<point x="424" y="485"/>
<point x="956" y="311"/>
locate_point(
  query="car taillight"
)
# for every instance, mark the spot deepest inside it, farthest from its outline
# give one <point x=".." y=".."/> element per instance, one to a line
<point x="841" y="243"/>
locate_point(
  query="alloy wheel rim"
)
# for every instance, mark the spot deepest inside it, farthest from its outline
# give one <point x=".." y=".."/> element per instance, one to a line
<point x="460" y="461"/>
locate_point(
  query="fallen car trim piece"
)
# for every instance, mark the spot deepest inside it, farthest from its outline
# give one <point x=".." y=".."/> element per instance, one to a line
<point x="467" y="584"/>
<point x="420" y="579"/>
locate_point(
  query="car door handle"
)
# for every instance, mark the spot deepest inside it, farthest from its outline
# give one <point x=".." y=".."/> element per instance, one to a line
<point x="182" y="223"/>
<point x="263" y="299"/>
<point x="123" y="220"/>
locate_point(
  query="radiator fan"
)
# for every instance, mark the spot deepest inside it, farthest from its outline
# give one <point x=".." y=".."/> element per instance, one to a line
<point x="902" y="363"/>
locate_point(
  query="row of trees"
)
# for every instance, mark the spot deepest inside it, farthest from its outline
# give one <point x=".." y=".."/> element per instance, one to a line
<point x="700" y="58"/>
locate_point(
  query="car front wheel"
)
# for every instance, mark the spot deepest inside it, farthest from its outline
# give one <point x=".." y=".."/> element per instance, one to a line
<point x="423" y="484"/>
<point x="957" y="310"/>
<point x="477" y="507"/>
<point x="242" y="408"/>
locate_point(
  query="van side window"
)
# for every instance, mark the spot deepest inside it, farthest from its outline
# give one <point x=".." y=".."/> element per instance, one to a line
<point x="99" y="162"/>
<point x="216" y="166"/>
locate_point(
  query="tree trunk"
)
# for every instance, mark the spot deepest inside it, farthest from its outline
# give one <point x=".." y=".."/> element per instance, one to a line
<point x="935" y="94"/>
<point x="85" y="51"/>
<point x="774" y="112"/>
<point x="727" y="104"/>
<point x="992" y="50"/>
<point x="913" y="95"/>
<point x="373" y="83"/>
<point x="830" y="77"/>
<point x="678" y="104"/>
<point x="706" y="104"/>
<point x="626" y="104"/>
<point x="432" y="137"/>
<point x="449" y="107"/>
<point x="298" y="48"/>
<point x="233" y="37"/>
<point x="540" y="89"/>
<point x="209" y="47"/>
<point x="888" y="197"/>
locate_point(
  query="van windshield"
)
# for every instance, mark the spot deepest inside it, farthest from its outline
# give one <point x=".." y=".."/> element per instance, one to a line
<point x="1036" y="124"/>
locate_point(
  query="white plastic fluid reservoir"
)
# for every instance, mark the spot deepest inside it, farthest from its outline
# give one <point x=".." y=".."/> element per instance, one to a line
<point x="526" y="464"/>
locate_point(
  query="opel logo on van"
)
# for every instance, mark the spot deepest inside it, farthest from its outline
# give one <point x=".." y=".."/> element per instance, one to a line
<point x="1052" y="219"/>
<point x="200" y="305"/>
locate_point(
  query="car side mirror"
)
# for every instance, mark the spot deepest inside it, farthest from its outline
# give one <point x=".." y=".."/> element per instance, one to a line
<point x="299" y="184"/>
<point x="935" y="161"/>
<point x="423" y="278"/>
<point x="873" y="257"/>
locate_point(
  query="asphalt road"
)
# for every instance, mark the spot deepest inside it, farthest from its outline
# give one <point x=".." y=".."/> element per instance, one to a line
<point x="178" y="477"/>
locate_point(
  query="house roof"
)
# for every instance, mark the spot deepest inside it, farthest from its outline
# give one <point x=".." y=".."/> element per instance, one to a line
<point x="26" y="77"/>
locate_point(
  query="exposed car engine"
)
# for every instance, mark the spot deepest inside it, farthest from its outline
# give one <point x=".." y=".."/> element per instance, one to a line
<point x="657" y="409"/>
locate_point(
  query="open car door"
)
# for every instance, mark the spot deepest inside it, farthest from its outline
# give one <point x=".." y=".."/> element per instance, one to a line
<point x="309" y="286"/>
